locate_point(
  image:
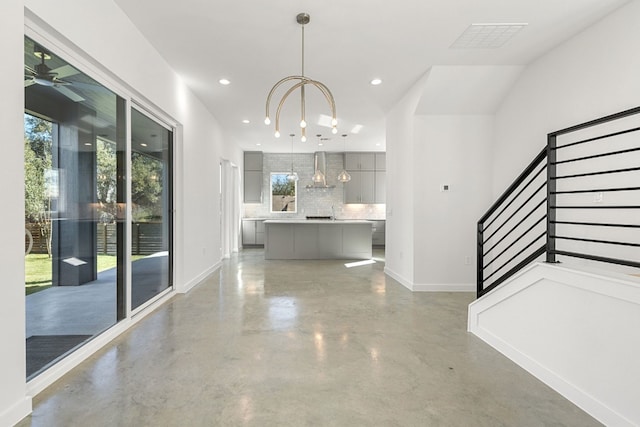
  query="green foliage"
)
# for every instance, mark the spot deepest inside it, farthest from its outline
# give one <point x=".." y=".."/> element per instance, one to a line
<point x="146" y="184"/>
<point x="106" y="173"/>
<point x="146" y="187"/>
<point x="38" y="140"/>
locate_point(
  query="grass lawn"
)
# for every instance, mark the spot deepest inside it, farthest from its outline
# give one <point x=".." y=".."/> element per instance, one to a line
<point x="38" y="270"/>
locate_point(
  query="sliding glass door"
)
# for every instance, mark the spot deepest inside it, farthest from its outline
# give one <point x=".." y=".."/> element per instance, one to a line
<point x="79" y="228"/>
<point x="151" y="206"/>
<point x="74" y="145"/>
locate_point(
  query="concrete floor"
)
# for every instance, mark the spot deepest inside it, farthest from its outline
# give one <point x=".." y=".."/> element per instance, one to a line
<point x="295" y="343"/>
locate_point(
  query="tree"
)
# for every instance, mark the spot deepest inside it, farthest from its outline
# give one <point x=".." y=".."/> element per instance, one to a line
<point x="106" y="173"/>
<point x="146" y="186"/>
<point x="281" y="186"/>
<point x="37" y="165"/>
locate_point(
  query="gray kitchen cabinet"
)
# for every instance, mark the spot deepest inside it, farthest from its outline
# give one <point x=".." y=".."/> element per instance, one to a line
<point x="368" y="177"/>
<point x="253" y="186"/>
<point x="252" y="232"/>
<point x="253" y="160"/>
<point x="381" y="187"/>
<point x="361" y="188"/>
<point x="253" y="177"/>
<point x="359" y="161"/>
<point x="378" y="233"/>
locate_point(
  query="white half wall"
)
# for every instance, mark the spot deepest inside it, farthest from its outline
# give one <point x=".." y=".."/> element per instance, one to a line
<point x="451" y="150"/>
<point x="591" y="75"/>
<point x="575" y="331"/>
<point x="14" y="404"/>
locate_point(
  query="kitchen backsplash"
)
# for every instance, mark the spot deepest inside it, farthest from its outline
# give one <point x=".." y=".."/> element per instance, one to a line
<point x="313" y="201"/>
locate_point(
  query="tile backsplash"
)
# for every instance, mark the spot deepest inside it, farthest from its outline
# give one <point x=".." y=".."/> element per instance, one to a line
<point x="313" y="201"/>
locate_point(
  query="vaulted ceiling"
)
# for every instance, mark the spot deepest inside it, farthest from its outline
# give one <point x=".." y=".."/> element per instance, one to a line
<point x="254" y="44"/>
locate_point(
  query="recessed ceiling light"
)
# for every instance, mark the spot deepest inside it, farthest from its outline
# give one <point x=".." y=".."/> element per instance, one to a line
<point x="258" y="144"/>
<point x="224" y="82"/>
<point x="245" y="121"/>
<point x="376" y="82"/>
<point x="378" y="144"/>
<point x="88" y="144"/>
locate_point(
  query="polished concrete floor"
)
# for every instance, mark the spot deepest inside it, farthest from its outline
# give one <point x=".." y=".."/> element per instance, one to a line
<point x="302" y="343"/>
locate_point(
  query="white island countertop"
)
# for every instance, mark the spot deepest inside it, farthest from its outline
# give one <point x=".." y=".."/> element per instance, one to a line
<point x="317" y="221"/>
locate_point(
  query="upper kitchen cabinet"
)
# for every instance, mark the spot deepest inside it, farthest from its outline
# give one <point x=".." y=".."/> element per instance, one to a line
<point x="360" y="161"/>
<point x="368" y="176"/>
<point x="253" y="161"/>
<point x="253" y="177"/>
<point x="381" y="161"/>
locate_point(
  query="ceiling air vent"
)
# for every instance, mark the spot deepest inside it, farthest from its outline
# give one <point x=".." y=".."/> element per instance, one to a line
<point x="486" y="36"/>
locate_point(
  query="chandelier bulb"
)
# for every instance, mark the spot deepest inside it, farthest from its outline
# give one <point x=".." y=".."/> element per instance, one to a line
<point x="303" y="124"/>
<point x="334" y="122"/>
<point x="267" y="120"/>
<point x="277" y="134"/>
<point x="334" y="130"/>
<point x="303" y="139"/>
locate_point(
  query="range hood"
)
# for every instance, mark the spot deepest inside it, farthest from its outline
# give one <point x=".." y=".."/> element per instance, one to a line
<point x="320" y="171"/>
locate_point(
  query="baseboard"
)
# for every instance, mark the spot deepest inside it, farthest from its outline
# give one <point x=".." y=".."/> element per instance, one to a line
<point x="199" y="278"/>
<point x="579" y="397"/>
<point x="398" y="278"/>
<point x="16" y="412"/>
<point x="445" y="287"/>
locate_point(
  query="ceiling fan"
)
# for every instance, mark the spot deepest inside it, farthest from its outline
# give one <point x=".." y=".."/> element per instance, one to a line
<point x="43" y="75"/>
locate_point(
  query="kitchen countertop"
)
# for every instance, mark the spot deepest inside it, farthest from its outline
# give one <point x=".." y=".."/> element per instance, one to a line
<point x="317" y="221"/>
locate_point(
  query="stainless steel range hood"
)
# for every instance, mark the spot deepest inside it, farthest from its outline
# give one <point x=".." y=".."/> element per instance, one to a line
<point x="320" y="171"/>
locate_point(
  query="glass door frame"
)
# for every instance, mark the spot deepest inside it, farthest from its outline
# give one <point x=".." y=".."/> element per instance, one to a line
<point x="165" y="122"/>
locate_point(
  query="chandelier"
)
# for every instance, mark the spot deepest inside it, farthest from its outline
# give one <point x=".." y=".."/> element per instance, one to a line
<point x="299" y="83"/>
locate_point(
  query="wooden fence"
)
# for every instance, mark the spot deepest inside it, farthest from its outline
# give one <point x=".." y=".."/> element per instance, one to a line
<point x="146" y="238"/>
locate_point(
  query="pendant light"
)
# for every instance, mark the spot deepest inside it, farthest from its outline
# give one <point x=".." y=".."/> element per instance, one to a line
<point x="300" y="82"/>
<point x="292" y="176"/>
<point x="318" y="176"/>
<point x="344" y="175"/>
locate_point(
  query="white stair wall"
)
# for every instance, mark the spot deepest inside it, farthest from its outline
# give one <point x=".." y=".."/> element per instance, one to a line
<point x="577" y="331"/>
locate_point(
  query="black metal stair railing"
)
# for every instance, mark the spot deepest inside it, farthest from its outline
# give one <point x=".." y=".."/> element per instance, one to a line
<point x="511" y="233"/>
<point x="579" y="199"/>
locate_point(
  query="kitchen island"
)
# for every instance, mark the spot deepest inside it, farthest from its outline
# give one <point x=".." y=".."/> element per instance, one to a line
<point x="317" y="239"/>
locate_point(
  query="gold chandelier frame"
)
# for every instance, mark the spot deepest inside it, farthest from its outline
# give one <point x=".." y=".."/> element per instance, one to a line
<point x="302" y="81"/>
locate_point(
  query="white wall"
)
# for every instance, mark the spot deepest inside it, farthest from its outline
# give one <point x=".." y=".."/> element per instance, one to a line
<point x="400" y="184"/>
<point x="452" y="150"/>
<point x="575" y="331"/>
<point x="13" y="402"/>
<point x="591" y="75"/>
